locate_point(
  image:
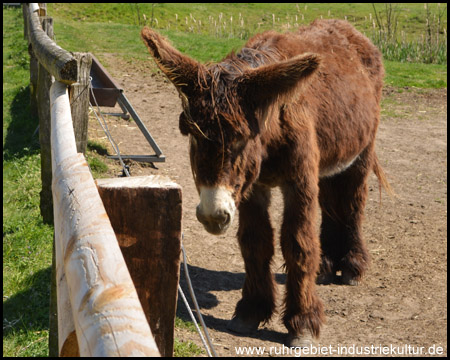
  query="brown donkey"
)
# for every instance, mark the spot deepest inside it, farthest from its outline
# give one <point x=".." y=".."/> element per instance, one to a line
<point x="300" y="111"/>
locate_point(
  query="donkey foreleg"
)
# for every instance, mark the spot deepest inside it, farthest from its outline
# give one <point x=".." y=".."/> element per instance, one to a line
<point x="255" y="237"/>
<point x="303" y="312"/>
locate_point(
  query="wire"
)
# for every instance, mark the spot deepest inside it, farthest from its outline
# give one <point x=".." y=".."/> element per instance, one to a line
<point x="106" y="130"/>
<point x="199" y="315"/>
<point x="193" y="319"/>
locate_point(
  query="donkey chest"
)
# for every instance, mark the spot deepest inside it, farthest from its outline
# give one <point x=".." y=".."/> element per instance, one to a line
<point x="275" y="168"/>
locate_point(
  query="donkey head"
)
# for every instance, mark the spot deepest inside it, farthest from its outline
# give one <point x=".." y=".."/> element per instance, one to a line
<point x="225" y="110"/>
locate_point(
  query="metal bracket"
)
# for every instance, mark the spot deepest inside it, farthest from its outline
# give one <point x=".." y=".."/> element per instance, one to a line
<point x="108" y="93"/>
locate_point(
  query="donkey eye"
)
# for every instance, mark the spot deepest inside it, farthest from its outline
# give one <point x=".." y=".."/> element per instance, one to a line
<point x="184" y="128"/>
<point x="238" y="145"/>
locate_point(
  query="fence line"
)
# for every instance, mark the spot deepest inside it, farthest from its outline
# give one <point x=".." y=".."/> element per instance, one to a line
<point x="99" y="311"/>
<point x="48" y="61"/>
<point x="109" y="317"/>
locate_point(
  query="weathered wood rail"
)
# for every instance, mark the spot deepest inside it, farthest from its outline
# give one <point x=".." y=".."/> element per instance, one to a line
<point x="115" y="270"/>
<point x="100" y="293"/>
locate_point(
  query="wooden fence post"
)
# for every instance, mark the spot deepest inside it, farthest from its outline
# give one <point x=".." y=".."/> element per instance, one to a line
<point x="79" y="100"/>
<point x="53" y="311"/>
<point x="34" y="69"/>
<point x="145" y="213"/>
<point x="44" y="82"/>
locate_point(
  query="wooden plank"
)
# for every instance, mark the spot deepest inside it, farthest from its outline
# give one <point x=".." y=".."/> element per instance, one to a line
<point x="109" y="317"/>
<point x="57" y="61"/>
<point x="145" y="212"/>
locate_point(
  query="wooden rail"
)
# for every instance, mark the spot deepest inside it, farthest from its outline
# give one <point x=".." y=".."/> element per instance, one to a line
<point x="57" y="61"/>
<point x="95" y="279"/>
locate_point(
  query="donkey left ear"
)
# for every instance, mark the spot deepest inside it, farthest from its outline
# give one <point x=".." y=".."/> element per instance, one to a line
<point x="181" y="70"/>
<point x="269" y="82"/>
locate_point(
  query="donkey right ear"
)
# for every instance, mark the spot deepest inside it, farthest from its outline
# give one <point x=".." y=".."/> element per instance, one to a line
<point x="181" y="70"/>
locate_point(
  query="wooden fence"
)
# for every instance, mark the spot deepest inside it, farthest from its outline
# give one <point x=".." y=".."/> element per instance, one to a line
<point x="114" y="276"/>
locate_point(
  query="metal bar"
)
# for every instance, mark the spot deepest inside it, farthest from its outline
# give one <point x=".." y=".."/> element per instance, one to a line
<point x="123" y="115"/>
<point x="123" y="99"/>
<point x="141" y="158"/>
<point x="124" y="109"/>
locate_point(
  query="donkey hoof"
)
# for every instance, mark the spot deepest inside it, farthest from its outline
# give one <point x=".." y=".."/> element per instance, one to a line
<point x="348" y="278"/>
<point x="325" y="278"/>
<point x="240" y="326"/>
<point x="299" y="341"/>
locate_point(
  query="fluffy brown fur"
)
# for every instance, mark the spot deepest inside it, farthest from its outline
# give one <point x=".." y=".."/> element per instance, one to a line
<point x="288" y="110"/>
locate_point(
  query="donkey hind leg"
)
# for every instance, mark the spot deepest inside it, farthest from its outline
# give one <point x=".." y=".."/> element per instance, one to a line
<point x="303" y="310"/>
<point x="256" y="241"/>
<point x="342" y="199"/>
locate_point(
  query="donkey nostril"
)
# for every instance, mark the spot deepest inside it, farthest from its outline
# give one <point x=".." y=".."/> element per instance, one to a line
<point x="228" y="219"/>
<point x="223" y="218"/>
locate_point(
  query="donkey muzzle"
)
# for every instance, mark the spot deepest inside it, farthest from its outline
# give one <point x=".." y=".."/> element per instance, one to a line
<point x="216" y="209"/>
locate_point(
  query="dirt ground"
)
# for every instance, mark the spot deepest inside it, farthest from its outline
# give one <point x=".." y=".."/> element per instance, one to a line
<point x="401" y="302"/>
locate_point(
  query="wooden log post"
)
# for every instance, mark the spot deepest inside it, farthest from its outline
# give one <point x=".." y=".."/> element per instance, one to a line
<point x="145" y="213"/>
<point x="44" y="82"/>
<point x="53" y="347"/>
<point x="103" y="300"/>
<point x="79" y="100"/>
<point x="34" y="71"/>
<point x="50" y="59"/>
<point x="34" y="64"/>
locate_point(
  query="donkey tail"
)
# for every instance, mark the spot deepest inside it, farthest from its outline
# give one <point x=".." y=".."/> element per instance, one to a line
<point x="382" y="180"/>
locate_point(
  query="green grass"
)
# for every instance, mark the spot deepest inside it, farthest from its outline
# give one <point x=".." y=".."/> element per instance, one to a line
<point x="412" y="41"/>
<point x="186" y="349"/>
<point x="75" y="24"/>
<point x="256" y="16"/>
<point x="181" y="348"/>
<point x="27" y="242"/>
<point x="415" y="75"/>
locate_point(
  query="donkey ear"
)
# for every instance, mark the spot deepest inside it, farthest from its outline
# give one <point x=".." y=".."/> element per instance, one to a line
<point x="280" y="80"/>
<point x="181" y="70"/>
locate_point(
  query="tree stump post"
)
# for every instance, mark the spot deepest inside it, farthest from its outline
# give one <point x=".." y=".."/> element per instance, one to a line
<point x="145" y="213"/>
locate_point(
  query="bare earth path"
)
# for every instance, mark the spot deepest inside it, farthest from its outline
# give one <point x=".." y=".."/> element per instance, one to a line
<point x="402" y="300"/>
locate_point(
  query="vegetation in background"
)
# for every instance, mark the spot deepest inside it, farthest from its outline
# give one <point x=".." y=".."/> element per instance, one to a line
<point x="404" y="32"/>
<point x="208" y="32"/>
<point x="430" y="47"/>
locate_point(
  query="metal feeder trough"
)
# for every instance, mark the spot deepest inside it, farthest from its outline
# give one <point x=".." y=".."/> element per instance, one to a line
<point x="108" y="93"/>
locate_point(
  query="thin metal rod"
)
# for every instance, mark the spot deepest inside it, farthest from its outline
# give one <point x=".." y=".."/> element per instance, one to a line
<point x="124" y="101"/>
<point x="191" y="290"/>
<point x="193" y="319"/>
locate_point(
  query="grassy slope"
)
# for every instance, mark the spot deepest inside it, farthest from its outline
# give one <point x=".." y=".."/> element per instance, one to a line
<point x="113" y="28"/>
<point x="26" y="240"/>
<point x="116" y="30"/>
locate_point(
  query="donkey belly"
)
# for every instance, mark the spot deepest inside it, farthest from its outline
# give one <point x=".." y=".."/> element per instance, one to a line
<point x="336" y="168"/>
